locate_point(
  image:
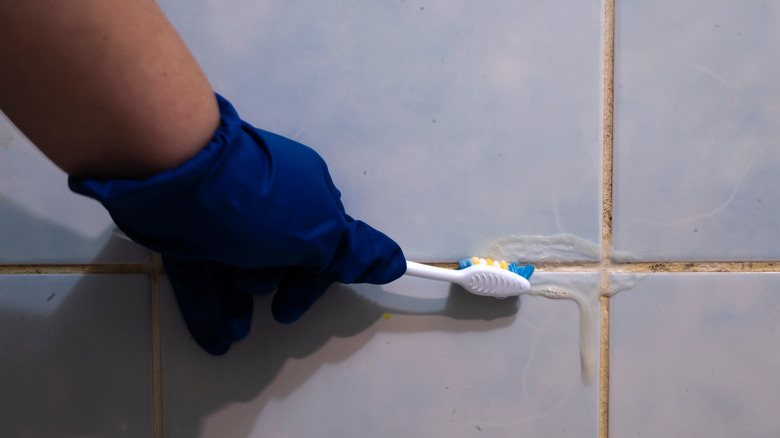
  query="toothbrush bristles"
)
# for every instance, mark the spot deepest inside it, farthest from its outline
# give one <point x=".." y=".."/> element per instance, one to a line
<point x="523" y="271"/>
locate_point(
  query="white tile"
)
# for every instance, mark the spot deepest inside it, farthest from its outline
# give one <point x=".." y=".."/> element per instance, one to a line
<point x="481" y="119"/>
<point x="386" y="362"/>
<point x="42" y="220"/>
<point x="696" y="355"/>
<point x="697" y="158"/>
<point x="75" y="356"/>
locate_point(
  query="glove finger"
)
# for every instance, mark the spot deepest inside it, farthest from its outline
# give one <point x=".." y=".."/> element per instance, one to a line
<point x="216" y="312"/>
<point x="297" y="293"/>
<point x="365" y="255"/>
<point x="258" y="281"/>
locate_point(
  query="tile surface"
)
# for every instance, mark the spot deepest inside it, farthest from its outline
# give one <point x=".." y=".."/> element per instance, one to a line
<point x="481" y="119"/>
<point x="412" y="358"/>
<point x="42" y="220"/>
<point x="75" y="356"/>
<point x="696" y="355"/>
<point x="697" y="157"/>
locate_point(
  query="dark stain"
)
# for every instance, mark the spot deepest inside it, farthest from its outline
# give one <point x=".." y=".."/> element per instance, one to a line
<point x="51" y="297"/>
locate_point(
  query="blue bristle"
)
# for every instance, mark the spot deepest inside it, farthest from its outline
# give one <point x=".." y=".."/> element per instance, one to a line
<point x="527" y="271"/>
<point x="464" y="263"/>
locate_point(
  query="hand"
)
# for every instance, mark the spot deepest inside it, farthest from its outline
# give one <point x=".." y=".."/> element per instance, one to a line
<point x="252" y="213"/>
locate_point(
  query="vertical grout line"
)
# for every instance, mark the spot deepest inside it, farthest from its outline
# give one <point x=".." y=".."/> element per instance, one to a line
<point x="604" y="368"/>
<point x="157" y="396"/>
<point x="609" y="99"/>
<point x="606" y="214"/>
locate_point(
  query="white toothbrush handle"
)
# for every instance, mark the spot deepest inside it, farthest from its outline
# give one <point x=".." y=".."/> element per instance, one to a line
<point x="431" y="272"/>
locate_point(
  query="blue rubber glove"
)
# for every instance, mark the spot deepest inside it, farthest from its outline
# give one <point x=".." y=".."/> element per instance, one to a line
<point x="251" y="214"/>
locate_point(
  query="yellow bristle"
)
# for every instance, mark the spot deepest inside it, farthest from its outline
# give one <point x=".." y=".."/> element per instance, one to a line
<point x="504" y="265"/>
<point x="475" y="260"/>
<point x="489" y="262"/>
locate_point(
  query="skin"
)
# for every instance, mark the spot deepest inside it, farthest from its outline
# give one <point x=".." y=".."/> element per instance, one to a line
<point x="104" y="88"/>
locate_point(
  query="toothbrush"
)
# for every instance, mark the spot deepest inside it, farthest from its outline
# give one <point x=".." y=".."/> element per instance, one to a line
<point x="497" y="279"/>
<point x="485" y="277"/>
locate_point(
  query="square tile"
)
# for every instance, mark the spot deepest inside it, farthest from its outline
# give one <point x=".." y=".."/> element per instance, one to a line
<point x="483" y="120"/>
<point x="696" y="157"/>
<point x="696" y="355"/>
<point x="412" y="358"/>
<point x="75" y="356"/>
<point x="42" y="220"/>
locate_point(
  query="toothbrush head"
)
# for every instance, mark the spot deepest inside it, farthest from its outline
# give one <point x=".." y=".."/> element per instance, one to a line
<point x="498" y="279"/>
<point x="523" y="271"/>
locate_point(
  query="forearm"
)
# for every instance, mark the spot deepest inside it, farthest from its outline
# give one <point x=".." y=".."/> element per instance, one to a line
<point x="105" y="88"/>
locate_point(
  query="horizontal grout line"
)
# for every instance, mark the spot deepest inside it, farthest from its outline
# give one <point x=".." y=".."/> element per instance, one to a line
<point x="656" y="267"/>
<point x="650" y="267"/>
<point x="146" y="268"/>
<point x="613" y="267"/>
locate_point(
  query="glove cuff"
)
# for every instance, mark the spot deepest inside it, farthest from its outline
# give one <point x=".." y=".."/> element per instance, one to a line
<point x="120" y="194"/>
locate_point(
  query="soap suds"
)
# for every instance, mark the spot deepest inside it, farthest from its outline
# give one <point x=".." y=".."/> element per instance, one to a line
<point x="557" y="248"/>
<point x="566" y="248"/>
<point x="574" y="288"/>
<point x="620" y="282"/>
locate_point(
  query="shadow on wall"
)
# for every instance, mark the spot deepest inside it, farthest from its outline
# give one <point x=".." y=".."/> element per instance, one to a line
<point x="197" y="385"/>
<point x="76" y="350"/>
<point x="25" y="237"/>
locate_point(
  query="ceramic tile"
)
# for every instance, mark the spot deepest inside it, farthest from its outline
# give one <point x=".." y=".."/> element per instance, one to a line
<point x="696" y="355"/>
<point x="484" y="120"/>
<point x="75" y="356"/>
<point x="697" y="160"/>
<point x="42" y="221"/>
<point x="412" y="358"/>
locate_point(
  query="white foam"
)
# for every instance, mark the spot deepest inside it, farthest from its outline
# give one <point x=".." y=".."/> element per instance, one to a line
<point x="555" y="248"/>
<point x="583" y="290"/>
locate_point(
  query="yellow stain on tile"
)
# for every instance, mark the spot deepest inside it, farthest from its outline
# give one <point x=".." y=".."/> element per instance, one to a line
<point x="387" y="316"/>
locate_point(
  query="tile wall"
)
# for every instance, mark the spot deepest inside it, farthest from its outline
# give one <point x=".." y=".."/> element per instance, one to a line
<point x="628" y="149"/>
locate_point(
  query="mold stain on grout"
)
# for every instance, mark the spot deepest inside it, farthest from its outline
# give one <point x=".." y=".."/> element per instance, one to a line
<point x="606" y="214"/>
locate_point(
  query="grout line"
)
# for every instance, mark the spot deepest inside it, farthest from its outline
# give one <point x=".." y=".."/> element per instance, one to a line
<point x="604" y="367"/>
<point x="155" y="260"/>
<point x="610" y="267"/>
<point x="647" y="267"/>
<point x="657" y="267"/>
<point x="606" y="214"/>
<point x="85" y="268"/>
<point x="156" y="345"/>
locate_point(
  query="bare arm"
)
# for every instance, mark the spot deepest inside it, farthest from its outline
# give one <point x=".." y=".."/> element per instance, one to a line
<point x="105" y="88"/>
